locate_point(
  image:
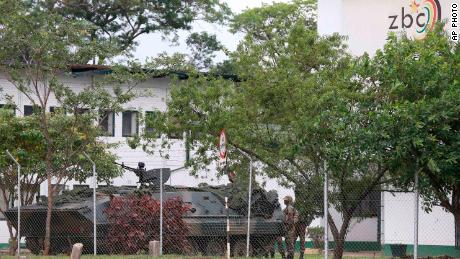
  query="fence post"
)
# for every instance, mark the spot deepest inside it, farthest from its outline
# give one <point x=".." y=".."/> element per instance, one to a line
<point x="228" y="227"/>
<point x="18" y="239"/>
<point x="326" y="212"/>
<point x="416" y="211"/>
<point x="77" y="249"/>
<point x="94" y="203"/>
<point x="161" y="211"/>
<point x="249" y="206"/>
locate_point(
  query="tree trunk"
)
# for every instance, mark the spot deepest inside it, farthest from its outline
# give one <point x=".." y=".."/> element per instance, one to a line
<point x="47" y="242"/>
<point x="339" y="237"/>
<point x="339" y="246"/>
<point x="340" y="241"/>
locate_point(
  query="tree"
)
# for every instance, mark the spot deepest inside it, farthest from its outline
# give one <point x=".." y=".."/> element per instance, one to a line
<point x="297" y="108"/>
<point x="36" y="51"/>
<point x="122" y="22"/>
<point x="419" y="80"/>
<point x="203" y="47"/>
<point x="22" y="138"/>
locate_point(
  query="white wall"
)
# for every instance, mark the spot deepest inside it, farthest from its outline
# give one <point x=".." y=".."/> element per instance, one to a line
<point x="366" y="23"/>
<point x="435" y="228"/>
<point x="359" y="230"/>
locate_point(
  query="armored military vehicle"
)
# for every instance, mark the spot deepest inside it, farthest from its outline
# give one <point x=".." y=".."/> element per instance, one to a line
<point x="206" y="219"/>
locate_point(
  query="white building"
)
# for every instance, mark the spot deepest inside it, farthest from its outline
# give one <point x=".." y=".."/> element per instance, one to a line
<point x="367" y="23"/>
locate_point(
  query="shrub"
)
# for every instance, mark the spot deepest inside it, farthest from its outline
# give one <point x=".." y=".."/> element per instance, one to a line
<point x="317" y="234"/>
<point x="135" y="220"/>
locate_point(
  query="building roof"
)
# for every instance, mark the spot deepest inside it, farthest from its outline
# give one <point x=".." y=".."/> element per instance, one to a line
<point x="104" y="69"/>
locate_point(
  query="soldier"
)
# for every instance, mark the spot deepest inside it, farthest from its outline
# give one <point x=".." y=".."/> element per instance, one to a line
<point x="279" y="242"/>
<point x="291" y="218"/>
<point x="300" y="228"/>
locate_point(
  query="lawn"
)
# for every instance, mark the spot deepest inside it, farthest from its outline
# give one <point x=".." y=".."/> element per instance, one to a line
<point x="164" y="257"/>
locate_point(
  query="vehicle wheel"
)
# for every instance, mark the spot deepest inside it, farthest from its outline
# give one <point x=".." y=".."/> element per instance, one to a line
<point x="34" y="245"/>
<point x="261" y="246"/>
<point x="60" y="246"/>
<point x="192" y="248"/>
<point x="215" y="247"/>
<point x="239" y="248"/>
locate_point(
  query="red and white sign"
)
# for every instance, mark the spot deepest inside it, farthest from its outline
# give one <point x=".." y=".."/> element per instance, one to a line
<point x="222" y="147"/>
<point x="222" y="144"/>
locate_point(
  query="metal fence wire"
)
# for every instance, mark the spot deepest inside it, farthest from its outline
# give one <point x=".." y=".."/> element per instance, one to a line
<point x="200" y="221"/>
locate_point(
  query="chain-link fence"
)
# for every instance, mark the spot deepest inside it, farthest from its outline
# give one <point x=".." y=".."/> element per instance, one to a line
<point x="199" y="221"/>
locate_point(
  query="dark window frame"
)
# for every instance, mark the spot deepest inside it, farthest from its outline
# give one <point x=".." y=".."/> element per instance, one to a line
<point x="131" y="134"/>
<point x="107" y="132"/>
<point x="35" y="110"/>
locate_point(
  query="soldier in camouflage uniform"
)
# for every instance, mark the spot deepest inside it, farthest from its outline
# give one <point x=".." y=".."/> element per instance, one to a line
<point x="279" y="242"/>
<point x="300" y="228"/>
<point x="291" y="218"/>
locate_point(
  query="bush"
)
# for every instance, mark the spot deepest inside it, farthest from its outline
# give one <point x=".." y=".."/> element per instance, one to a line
<point x="135" y="220"/>
<point x="317" y="234"/>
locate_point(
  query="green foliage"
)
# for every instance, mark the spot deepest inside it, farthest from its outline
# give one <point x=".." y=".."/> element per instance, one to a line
<point x="37" y="48"/>
<point x="22" y="137"/>
<point x="203" y="47"/>
<point x="299" y="109"/>
<point x="270" y="21"/>
<point x="419" y="85"/>
<point x="120" y="22"/>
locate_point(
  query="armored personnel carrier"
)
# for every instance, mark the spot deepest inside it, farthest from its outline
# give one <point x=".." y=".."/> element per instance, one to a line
<point x="206" y="218"/>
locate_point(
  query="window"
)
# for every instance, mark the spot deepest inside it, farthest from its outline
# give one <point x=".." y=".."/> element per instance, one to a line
<point x="150" y="117"/>
<point x="52" y="109"/>
<point x="107" y="123"/>
<point x="28" y="110"/>
<point x="130" y="125"/>
<point x="31" y="109"/>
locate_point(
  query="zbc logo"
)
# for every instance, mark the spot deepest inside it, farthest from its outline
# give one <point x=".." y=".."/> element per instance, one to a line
<point x="423" y="15"/>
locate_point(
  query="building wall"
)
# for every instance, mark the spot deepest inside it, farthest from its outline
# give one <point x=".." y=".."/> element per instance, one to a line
<point x="435" y="228"/>
<point x="361" y="229"/>
<point x="367" y="23"/>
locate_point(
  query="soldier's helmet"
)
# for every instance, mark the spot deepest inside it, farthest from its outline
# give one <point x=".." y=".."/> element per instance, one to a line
<point x="288" y="199"/>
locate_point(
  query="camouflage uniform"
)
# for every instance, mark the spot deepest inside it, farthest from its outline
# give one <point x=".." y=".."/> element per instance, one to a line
<point x="300" y="228"/>
<point x="291" y="218"/>
<point x="279" y="242"/>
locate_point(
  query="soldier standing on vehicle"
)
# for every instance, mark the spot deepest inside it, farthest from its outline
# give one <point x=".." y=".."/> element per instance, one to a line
<point x="291" y="218"/>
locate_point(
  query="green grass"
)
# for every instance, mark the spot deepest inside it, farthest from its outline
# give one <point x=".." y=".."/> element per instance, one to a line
<point x="149" y="257"/>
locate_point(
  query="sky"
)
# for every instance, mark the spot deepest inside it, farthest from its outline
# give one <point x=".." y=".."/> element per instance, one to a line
<point x="152" y="44"/>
